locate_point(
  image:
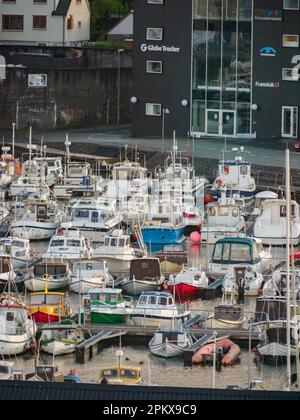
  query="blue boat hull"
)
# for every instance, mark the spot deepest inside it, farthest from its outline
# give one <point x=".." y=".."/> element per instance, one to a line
<point x="162" y="236"/>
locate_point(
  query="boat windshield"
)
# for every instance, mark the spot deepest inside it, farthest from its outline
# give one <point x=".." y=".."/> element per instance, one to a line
<point x="57" y="242"/>
<point x="128" y="373"/>
<point x="4" y="370"/>
<point x="45" y="300"/>
<point x="109" y="373"/>
<point x="240" y="252"/>
<point x="51" y="270"/>
<point x="73" y="243"/>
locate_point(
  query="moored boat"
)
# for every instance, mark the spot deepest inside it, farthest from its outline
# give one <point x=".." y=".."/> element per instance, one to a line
<point x="170" y="343"/>
<point x="230" y="350"/>
<point x="60" y="342"/>
<point x="189" y="282"/>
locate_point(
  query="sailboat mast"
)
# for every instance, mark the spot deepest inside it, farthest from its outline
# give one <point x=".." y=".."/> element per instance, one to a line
<point x="288" y="273"/>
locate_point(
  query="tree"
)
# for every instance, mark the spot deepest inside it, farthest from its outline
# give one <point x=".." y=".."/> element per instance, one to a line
<point x="101" y="11"/>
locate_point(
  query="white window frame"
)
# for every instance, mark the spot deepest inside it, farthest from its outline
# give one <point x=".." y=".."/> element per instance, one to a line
<point x="149" y="38"/>
<point x="296" y="45"/>
<point x="148" y="105"/>
<point x="292" y="109"/>
<point x="290" y="8"/>
<point x="154" y="72"/>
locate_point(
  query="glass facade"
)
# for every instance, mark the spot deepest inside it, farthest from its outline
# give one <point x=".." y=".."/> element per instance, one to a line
<point x="222" y="67"/>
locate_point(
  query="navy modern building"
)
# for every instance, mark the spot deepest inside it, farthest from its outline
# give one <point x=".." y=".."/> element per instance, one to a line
<point x="217" y="68"/>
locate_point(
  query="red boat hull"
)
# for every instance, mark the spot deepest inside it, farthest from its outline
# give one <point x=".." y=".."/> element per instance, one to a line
<point x="42" y="318"/>
<point x="185" y="290"/>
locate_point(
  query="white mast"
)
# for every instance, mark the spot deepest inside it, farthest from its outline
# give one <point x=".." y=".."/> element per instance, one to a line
<point x="288" y="273"/>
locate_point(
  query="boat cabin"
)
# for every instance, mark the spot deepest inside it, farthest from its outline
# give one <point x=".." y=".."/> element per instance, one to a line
<point x="47" y="299"/>
<point x="18" y="247"/>
<point x="48" y="373"/>
<point x="104" y="296"/>
<point x="78" y="170"/>
<point x="120" y="375"/>
<point x="67" y="241"/>
<point x="156" y="299"/>
<point x="117" y="240"/>
<point x="8" y="373"/>
<point x="228" y="313"/>
<point x="89" y="210"/>
<point x="145" y="269"/>
<point x="224" y="215"/>
<point x="270" y="308"/>
<point x="41" y="210"/>
<point x="12" y="319"/>
<point x="128" y="171"/>
<point x="260" y="198"/>
<point x="54" y="270"/>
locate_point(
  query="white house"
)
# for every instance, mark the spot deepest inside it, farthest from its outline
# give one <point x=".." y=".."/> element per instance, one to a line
<point x="123" y="30"/>
<point x="44" y="22"/>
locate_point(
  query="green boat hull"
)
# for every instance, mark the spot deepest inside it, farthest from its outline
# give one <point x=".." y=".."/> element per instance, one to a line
<point x="97" y="318"/>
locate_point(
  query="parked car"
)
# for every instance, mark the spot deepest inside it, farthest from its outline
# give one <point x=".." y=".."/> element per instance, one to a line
<point x="297" y="146"/>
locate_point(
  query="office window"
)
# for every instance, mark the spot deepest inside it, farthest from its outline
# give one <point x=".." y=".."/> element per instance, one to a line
<point x="290" y="74"/>
<point x="291" y="4"/>
<point x="154" y="34"/>
<point x="154" y="67"/>
<point x="291" y="41"/>
<point x="153" y="110"/>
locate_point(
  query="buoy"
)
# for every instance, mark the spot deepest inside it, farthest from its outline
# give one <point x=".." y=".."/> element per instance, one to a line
<point x="195" y="237"/>
<point x="208" y="198"/>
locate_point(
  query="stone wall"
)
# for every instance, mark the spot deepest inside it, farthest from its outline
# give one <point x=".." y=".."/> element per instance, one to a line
<point x="80" y="89"/>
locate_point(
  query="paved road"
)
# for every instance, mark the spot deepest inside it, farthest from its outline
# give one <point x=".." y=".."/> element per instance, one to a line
<point x="261" y="154"/>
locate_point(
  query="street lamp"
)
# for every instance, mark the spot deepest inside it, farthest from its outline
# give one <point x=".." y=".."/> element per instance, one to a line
<point x="164" y="112"/>
<point x="119" y="85"/>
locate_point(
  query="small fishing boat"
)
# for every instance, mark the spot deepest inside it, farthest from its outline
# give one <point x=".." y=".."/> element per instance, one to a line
<point x="120" y="374"/>
<point x="227" y="317"/>
<point x="88" y="275"/>
<point x="68" y="244"/>
<point x="271" y="225"/>
<point x="117" y="252"/>
<point x="239" y="251"/>
<point x="231" y="352"/>
<point x="40" y="219"/>
<point x="17" y="329"/>
<point x="144" y="275"/>
<point x="234" y="173"/>
<point x="170" y="343"/>
<point x="105" y="306"/>
<point x="162" y="228"/>
<point x="60" y="342"/>
<point x="49" y="307"/>
<point x="245" y="276"/>
<point x="94" y="218"/>
<point x="189" y="282"/>
<point x="56" y="274"/>
<point x="19" y="250"/>
<point x="223" y="219"/>
<point x="172" y="258"/>
<point x="158" y="310"/>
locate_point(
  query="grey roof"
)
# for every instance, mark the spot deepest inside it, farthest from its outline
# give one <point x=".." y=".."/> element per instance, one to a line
<point x="10" y="390"/>
<point x="62" y="8"/>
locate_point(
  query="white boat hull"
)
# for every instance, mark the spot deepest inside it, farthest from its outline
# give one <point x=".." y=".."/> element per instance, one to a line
<point x="36" y="285"/>
<point x="137" y="287"/>
<point x="58" y="348"/>
<point x="11" y="345"/>
<point x="35" y="231"/>
<point x="167" y="350"/>
<point x="85" y="285"/>
<point x="158" y="321"/>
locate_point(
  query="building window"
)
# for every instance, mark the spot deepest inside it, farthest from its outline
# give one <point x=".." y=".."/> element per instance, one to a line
<point x="39" y="22"/>
<point x="154" y="67"/>
<point x="154" y="34"/>
<point x="291" y="4"/>
<point x="290" y="75"/>
<point x="12" y="23"/>
<point x="153" y="110"/>
<point x="291" y="41"/>
<point x="155" y="1"/>
<point x="37" y="80"/>
<point x="70" y="23"/>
